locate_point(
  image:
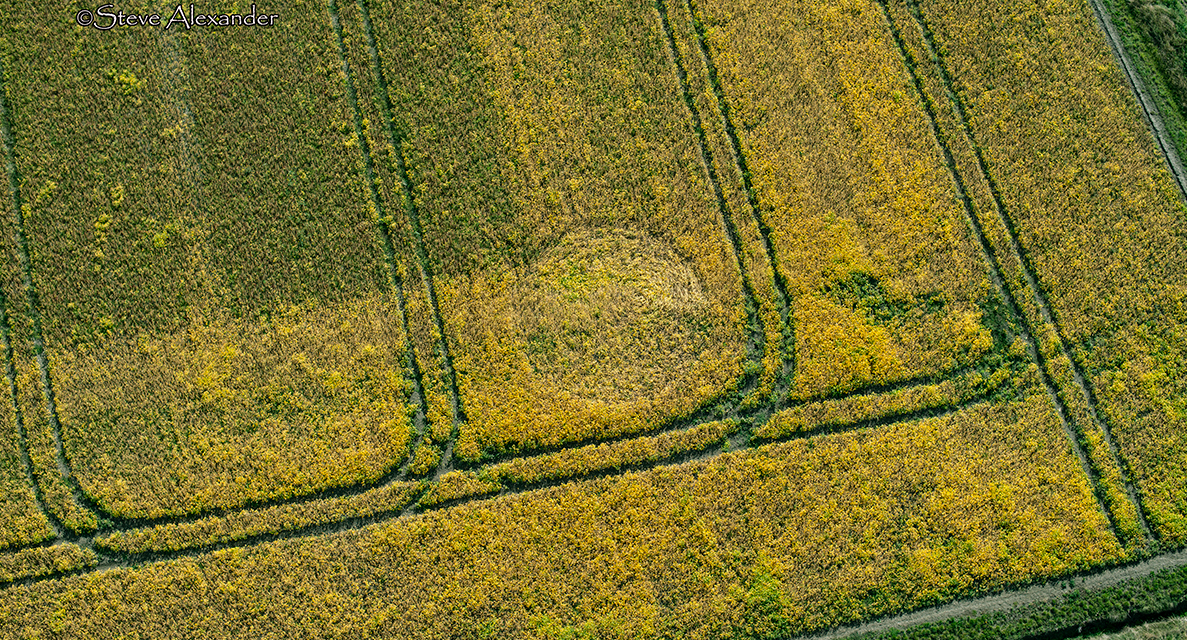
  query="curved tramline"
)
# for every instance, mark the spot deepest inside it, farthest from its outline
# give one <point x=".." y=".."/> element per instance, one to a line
<point x="848" y="205"/>
<point x="131" y="545"/>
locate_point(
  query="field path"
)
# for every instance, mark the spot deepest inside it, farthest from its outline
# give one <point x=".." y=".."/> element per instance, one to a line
<point x="1149" y="108"/>
<point x="1013" y="598"/>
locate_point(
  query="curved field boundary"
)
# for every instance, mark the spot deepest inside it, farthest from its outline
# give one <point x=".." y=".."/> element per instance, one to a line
<point x="1037" y="292"/>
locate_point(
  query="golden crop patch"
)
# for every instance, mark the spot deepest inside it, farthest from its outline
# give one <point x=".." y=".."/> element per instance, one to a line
<point x="1072" y="180"/>
<point x="791" y="538"/>
<point x="865" y="226"/>
<point x="539" y="370"/>
<point x="585" y="285"/>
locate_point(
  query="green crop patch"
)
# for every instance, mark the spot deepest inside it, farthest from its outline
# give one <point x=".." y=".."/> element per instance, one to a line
<point x="211" y="296"/>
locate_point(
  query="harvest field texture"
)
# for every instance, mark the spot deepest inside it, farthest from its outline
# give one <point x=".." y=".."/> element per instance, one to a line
<point x="569" y="319"/>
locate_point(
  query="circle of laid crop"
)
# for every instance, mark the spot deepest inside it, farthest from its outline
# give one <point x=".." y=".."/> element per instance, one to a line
<point x="84" y="18"/>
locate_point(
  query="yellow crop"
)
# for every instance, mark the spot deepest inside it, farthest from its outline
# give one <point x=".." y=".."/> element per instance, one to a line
<point x="865" y="225"/>
<point x="243" y="525"/>
<point x="793" y="535"/>
<point x="217" y="315"/>
<point x="585" y="282"/>
<point x="1096" y="216"/>
<point x="570" y="319"/>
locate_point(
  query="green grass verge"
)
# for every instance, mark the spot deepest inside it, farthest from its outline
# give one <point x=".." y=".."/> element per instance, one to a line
<point x="1155" y="36"/>
<point x="1079" y="613"/>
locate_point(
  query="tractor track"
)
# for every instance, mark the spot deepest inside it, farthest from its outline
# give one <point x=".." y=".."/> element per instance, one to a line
<point x="413" y="217"/>
<point x="34" y="313"/>
<point x="742" y="168"/>
<point x="417" y="397"/>
<point x="742" y="439"/>
<point x="1039" y="294"/>
<point x="706" y="414"/>
<point x="397" y="472"/>
<point x="989" y="255"/>
<point x="59" y="529"/>
<point x="112" y="560"/>
<point x="6" y="335"/>
<point x="757" y="345"/>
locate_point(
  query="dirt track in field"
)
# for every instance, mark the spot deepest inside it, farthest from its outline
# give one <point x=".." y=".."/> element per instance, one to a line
<point x="1145" y="102"/>
<point x="1009" y="599"/>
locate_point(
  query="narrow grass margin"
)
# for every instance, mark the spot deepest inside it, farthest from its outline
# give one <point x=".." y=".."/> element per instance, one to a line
<point x="1066" y="609"/>
<point x="1135" y="53"/>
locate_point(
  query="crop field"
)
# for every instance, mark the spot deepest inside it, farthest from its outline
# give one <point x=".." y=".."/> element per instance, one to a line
<point x="630" y="319"/>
